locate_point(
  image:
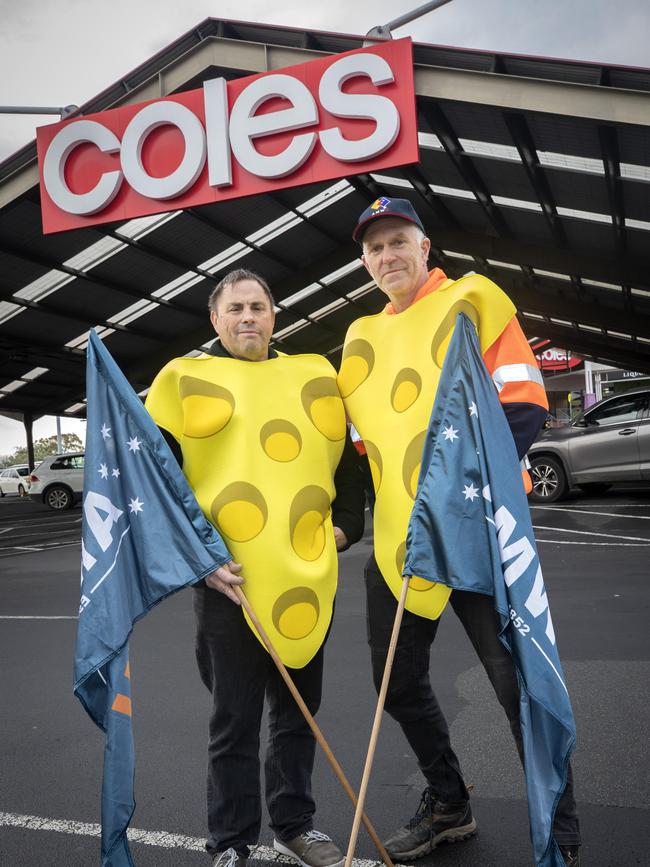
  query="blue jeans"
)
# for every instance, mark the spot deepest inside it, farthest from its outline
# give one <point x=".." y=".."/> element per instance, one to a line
<point x="412" y="703"/>
<point x="239" y="672"/>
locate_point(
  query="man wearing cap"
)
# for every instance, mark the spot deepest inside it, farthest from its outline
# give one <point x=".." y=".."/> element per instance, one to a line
<point x="388" y="383"/>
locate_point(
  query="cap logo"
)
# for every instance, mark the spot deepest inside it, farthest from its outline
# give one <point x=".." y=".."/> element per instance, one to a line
<point x="379" y="205"/>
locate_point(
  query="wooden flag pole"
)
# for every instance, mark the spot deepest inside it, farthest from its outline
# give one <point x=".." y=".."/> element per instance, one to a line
<point x="312" y="723"/>
<point x="377" y="722"/>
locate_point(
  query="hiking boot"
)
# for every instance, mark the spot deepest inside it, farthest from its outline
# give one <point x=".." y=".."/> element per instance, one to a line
<point x="434" y="822"/>
<point x="571" y="855"/>
<point x="311" y="849"/>
<point x="228" y="858"/>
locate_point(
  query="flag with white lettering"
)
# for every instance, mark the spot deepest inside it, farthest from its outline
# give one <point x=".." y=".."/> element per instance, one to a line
<point x="470" y="529"/>
<point x="143" y="538"/>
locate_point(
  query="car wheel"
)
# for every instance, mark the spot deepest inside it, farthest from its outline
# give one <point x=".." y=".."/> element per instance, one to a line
<point x="21" y="491"/>
<point x="549" y="480"/>
<point x="58" y="498"/>
<point x="595" y="488"/>
<point x="2" y="493"/>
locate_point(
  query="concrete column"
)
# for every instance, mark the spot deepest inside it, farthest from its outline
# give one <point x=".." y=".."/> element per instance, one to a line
<point x="27" y="421"/>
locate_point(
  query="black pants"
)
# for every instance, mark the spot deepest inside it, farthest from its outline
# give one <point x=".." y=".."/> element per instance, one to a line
<point x="239" y="672"/>
<point x="412" y="703"/>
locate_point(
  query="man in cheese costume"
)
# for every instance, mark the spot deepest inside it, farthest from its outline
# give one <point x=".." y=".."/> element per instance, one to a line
<point x="389" y="373"/>
<point x="262" y="440"/>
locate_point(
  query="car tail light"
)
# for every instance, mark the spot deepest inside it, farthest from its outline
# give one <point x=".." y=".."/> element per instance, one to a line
<point x="33" y="478"/>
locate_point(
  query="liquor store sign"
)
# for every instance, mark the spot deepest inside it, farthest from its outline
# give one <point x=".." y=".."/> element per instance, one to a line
<point x="335" y="116"/>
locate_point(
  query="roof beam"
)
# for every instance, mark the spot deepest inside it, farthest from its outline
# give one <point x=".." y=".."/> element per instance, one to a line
<point x="595" y="102"/>
<point x="523" y="141"/>
<point x="626" y="270"/>
<point x="622" y="354"/>
<point x="52" y="265"/>
<point x="518" y="93"/>
<point x="433" y="201"/>
<point x="84" y="320"/>
<point x="439" y="124"/>
<point x="548" y="303"/>
<point x="610" y="153"/>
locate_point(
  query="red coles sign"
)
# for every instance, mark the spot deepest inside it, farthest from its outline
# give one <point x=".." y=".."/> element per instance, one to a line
<point x="332" y="117"/>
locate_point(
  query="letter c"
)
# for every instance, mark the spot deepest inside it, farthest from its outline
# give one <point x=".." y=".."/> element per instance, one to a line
<point x="61" y="146"/>
<point x="165" y="112"/>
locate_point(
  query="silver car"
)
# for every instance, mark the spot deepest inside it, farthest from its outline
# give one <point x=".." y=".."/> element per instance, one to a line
<point x="608" y="443"/>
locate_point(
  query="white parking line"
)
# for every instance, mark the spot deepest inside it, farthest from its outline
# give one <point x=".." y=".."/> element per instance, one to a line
<point x="149" y="838"/>
<point x="591" y="533"/>
<point x="39" y="617"/>
<point x="36" y="524"/>
<point x="42" y="535"/>
<point x="584" y="512"/>
<point x="12" y="550"/>
<point x="601" y="506"/>
<point x="593" y="544"/>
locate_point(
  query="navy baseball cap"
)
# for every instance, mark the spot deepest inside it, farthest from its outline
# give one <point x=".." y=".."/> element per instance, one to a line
<point x="384" y="207"/>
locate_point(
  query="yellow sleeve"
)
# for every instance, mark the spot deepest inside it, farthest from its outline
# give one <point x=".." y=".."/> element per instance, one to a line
<point x="163" y="401"/>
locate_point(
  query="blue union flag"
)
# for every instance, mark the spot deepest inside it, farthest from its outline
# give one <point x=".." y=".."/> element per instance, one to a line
<point x="470" y="529"/>
<point x="144" y="537"/>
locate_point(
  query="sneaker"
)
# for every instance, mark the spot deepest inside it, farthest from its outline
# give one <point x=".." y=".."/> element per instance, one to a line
<point x="434" y="822"/>
<point x="311" y="849"/>
<point x="228" y="858"/>
<point x="571" y="855"/>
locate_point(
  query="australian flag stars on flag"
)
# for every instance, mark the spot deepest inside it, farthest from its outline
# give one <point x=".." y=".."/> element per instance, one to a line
<point x="143" y="538"/>
<point x="470" y="529"/>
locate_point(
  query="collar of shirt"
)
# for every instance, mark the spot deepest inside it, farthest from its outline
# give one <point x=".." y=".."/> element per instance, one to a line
<point x="220" y="351"/>
<point x="436" y="277"/>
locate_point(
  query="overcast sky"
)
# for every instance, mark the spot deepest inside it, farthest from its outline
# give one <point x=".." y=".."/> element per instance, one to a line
<point x="57" y="52"/>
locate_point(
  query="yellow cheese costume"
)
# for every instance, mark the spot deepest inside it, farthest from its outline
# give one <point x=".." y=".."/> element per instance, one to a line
<point x="388" y="380"/>
<point x="260" y="443"/>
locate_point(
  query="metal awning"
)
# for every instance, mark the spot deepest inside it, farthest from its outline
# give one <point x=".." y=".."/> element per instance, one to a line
<point x="532" y="171"/>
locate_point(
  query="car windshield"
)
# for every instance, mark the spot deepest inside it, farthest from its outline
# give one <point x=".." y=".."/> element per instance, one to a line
<point x="619" y="410"/>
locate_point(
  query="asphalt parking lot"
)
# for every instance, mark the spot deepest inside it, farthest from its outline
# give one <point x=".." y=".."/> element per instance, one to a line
<point x="595" y="555"/>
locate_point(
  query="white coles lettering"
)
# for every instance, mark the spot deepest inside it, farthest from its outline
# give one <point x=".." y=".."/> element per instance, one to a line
<point x="358" y="105"/>
<point x="215" y="104"/>
<point x="232" y="133"/>
<point x="245" y="125"/>
<point x="145" y="122"/>
<point x="61" y="146"/>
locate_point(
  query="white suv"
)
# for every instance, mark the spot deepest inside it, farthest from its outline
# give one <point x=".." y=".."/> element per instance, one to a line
<point x="58" y="480"/>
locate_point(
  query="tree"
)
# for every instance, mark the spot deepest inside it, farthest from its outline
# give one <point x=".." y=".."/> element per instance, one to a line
<point x="70" y="442"/>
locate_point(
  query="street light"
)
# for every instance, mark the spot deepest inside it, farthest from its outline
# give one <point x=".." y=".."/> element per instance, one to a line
<point x="383" y="31"/>
<point x="62" y="111"/>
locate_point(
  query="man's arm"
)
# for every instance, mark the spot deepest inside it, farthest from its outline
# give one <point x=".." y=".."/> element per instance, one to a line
<point x="515" y="373"/>
<point x="348" y="507"/>
<point x="173" y="444"/>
